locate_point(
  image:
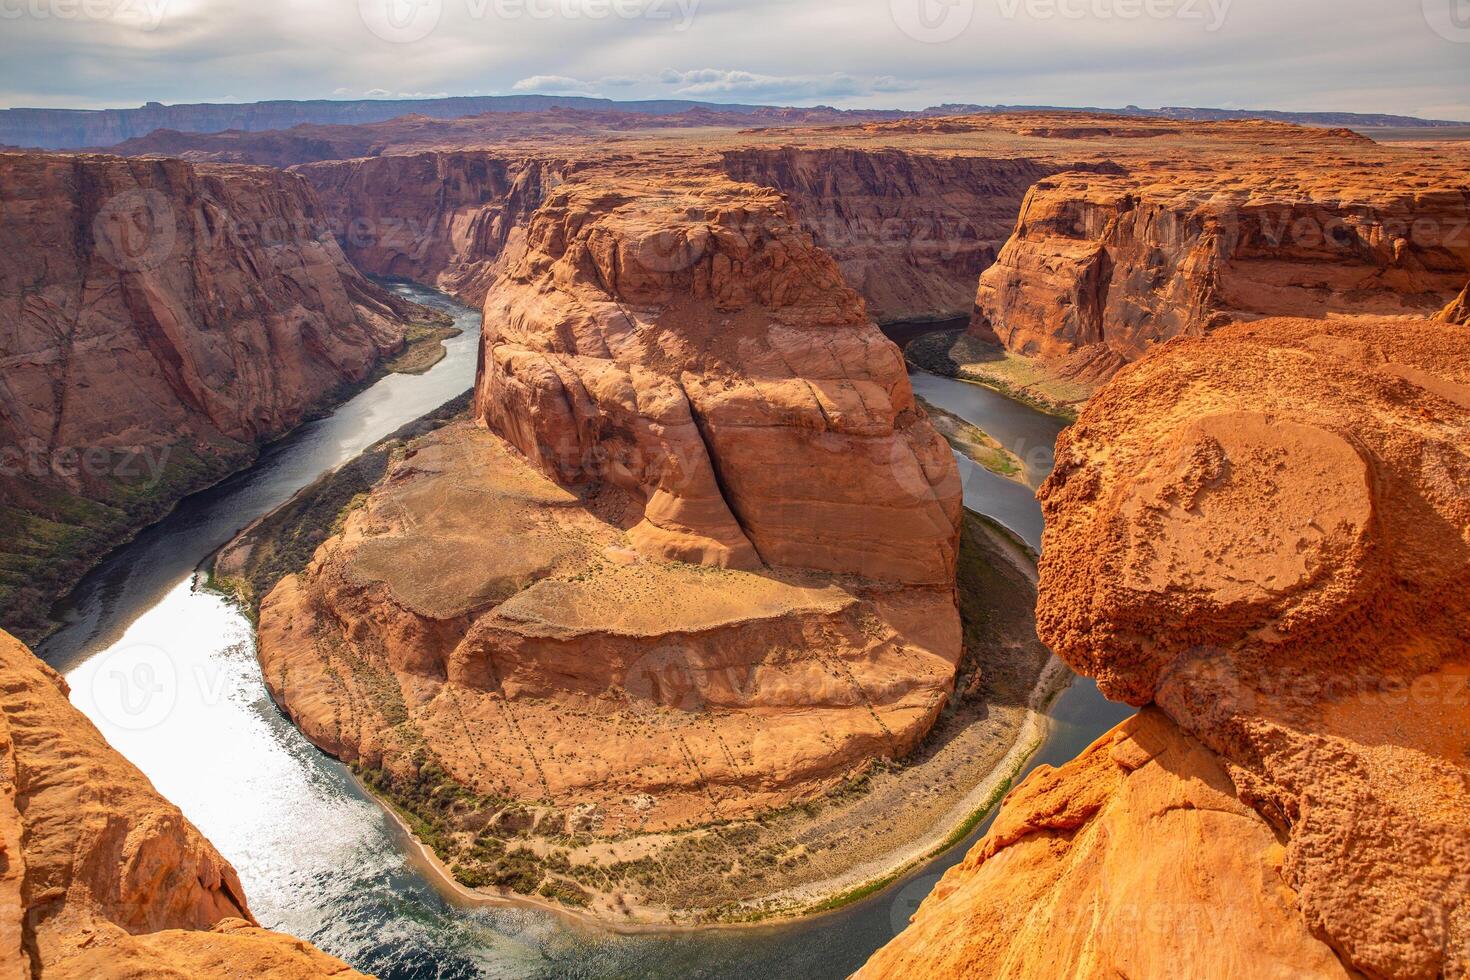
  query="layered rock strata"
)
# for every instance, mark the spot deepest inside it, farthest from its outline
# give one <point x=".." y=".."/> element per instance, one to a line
<point x="910" y="231"/>
<point x="157" y="321"/>
<point x="101" y="876"/>
<point x="1264" y="534"/>
<point x="702" y="566"/>
<point x="442" y="218"/>
<point x="1100" y="269"/>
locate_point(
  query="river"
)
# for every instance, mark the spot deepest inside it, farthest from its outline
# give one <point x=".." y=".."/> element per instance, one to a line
<point x="167" y="671"/>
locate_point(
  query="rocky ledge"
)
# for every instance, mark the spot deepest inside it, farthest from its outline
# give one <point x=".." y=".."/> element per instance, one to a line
<point x="102" y="877"/>
<point x="1262" y="534"/>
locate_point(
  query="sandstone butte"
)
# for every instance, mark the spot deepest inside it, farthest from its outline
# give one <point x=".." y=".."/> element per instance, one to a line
<point x="99" y="875"/>
<point x="1263" y="536"/>
<point x="170" y="317"/>
<point x="693" y="559"/>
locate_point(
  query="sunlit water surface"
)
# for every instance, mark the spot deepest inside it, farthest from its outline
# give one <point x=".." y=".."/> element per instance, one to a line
<point x="167" y="670"/>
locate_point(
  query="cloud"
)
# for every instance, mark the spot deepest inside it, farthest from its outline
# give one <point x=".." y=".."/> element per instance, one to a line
<point x="715" y="82"/>
<point x="554" y="85"/>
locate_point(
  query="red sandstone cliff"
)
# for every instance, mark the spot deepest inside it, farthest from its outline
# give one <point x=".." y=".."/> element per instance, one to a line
<point x="157" y="321"/>
<point x="910" y="231"/>
<point x="1099" y="269"/>
<point x="1262" y="533"/>
<point x="102" y="877"/>
<point x="442" y="218"/>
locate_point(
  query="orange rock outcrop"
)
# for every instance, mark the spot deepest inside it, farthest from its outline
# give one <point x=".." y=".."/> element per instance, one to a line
<point x="158" y="320"/>
<point x="1263" y="533"/>
<point x="702" y="566"/>
<point x="1459" y="310"/>
<point x="102" y="877"/>
<point x="1102" y="268"/>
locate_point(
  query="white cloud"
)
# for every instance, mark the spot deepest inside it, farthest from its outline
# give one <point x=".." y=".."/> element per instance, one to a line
<point x="553" y="85"/>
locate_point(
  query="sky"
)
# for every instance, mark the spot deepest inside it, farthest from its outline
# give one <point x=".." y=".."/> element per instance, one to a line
<point x="1399" y="56"/>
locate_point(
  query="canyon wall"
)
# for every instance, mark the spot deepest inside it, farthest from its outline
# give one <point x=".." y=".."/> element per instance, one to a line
<point x="101" y="876"/>
<point x="437" y="218"/>
<point x="910" y="231"/>
<point x="158" y="321"/>
<point x="1262" y="534"/>
<point x="1099" y="269"/>
<point x="695" y="559"/>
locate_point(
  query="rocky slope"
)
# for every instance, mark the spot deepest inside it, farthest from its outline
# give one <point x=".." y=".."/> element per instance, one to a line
<point x="157" y="321"/>
<point x="695" y="561"/>
<point x="1099" y="269"/>
<point x="1459" y="310"/>
<point x="1263" y="534"/>
<point x="101" y="876"/>
<point x="910" y="231"/>
<point x="439" y="218"/>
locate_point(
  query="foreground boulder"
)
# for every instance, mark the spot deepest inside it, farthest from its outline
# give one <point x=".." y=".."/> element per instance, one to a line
<point x="1263" y="534"/>
<point x="101" y="876"/>
<point x="693" y="559"/>
<point x="158" y="320"/>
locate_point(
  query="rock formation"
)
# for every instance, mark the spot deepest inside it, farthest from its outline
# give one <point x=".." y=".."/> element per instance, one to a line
<point x="910" y="231"/>
<point x="1263" y="533"/>
<point x="101" y="876"/>
<point x="1459" y="310"/>
<point x="1101" y="268"/>
<point x="704" y="564"/>
<point x="157" y="321"/>
<point x="438" y="218"/>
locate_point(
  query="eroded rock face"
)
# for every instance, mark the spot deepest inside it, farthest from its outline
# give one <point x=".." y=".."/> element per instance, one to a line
<point x="702" y="566"/>
<point x="686" y="342"/>
<point x="157" y="321"/>
<point x="1137" y="859"/>
<point x="1100" y="268"/>
<point x="1264" y="534"/>
<point x="910" y="231"/>
<point x="1459" y="310"/>
<point x="101" y="876"/>
<point x="437" y="217"/>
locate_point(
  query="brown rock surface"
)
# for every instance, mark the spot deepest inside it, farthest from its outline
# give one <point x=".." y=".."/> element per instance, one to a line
<point x="1102" y="268"/>
<point x="686" y="342"/>
<point x="164" y="318"/>
<point x="102" y="877"/>
<point x="441" y="218"/>
<point x="1459" y="310"/>
<point x="1266" y="534"/>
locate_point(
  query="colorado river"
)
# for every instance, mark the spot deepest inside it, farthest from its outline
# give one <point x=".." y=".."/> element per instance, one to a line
<point x="167" y="671"/>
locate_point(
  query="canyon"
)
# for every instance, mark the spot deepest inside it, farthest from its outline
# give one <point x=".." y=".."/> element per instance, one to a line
<point x="1303" y="664"/>
<point x="101" y="875"/>
<point x="686" y="592"/>
<point x="158" y="321"/>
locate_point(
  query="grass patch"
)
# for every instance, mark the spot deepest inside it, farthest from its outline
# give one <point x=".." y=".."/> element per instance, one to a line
<point x="957" y="354"/>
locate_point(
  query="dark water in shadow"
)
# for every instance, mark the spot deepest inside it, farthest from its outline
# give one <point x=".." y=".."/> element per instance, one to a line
<point x="168" y="673"/>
